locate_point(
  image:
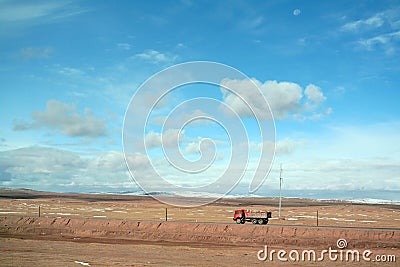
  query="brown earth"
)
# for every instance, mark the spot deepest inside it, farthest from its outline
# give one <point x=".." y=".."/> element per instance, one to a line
<point x="106" y="230"/>
<point x="214" y="233"/>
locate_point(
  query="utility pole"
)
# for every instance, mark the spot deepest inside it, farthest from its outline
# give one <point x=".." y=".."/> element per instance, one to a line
<point x="280" y="192"/>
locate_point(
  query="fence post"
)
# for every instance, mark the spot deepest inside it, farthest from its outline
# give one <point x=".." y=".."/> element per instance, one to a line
<point x="166" y="214"/>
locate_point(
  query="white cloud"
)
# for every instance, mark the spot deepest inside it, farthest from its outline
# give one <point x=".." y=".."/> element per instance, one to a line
<point x="255" y="22"/>
<point x="347" y="157"/>
<point x="202" y="144"/>
<point x="124" y="46"/>
<point x="383" y="39"/>
<point x="342" y="174"/>
<point x="314" y="95"/>
<point x="378" y="31"/>
<point x="282" y="147"/>
<point x="285" y="98"/>
<point x="250" y="23"/>
<point x="27" y="12"/>
<point x="302" y="41"/>
<point x="69" y="71"/>
<point x="180" y="46"/>
<point x="3" y="143"/>
<point x="45" y="168"/>
<point x="181" y="119"/>
<point x="64" y="118"/>
<point x="36" y="52"/>
<point x="287" y="146"/>
<point x="296" y="12"/>
<point x="156" y="57"/>
<point x="369" y="23"/>
<point x="169" y="138"/>
<point x="343" y="158"/>
<point x="12" y="11"/>
<point x="192" y="148"/>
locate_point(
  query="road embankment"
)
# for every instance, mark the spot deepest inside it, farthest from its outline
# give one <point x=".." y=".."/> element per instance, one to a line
<point x="105" y="230"/>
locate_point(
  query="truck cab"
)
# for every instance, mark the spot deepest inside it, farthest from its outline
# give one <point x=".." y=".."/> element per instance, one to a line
<point x="255" y="217"/>
<point x="239" y="214"/>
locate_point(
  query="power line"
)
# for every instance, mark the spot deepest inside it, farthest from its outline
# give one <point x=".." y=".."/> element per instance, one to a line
<point x="280" y="192"/>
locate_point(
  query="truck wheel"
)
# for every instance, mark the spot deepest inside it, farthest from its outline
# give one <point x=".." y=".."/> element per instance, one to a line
<point x="243" y="221"/>
<point x="238" y="221"/>
<point x="254" y="221"/>
<point x="260" y="221"/>
<point x="265" y="221"/>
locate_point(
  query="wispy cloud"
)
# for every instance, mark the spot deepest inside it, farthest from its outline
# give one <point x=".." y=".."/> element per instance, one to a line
<point x="155" y="57"/>
<point x="252" y="24"/>
<point x="125" y="46"/>
<point x="36" y="52"/>
<point x="12" y="11"/>
<point x="382" y="39"/>
<point x="373" y="22"/>
<point x="378" y="31"/>
<point x="69" y="71"/>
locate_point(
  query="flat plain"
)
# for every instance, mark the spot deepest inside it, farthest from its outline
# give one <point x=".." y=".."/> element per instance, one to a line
<point x="123" y="230"/>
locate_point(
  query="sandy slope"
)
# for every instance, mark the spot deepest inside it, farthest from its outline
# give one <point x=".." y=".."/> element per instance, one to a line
<point x="171" y="243"/>
<point x="213" y="233"/>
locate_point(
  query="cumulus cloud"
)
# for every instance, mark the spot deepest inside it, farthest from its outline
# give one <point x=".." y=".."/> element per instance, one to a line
<point x="28" y="166"/>
<point x="202" y="144"/>
<point x="345" y="162"/>
<point x="156" y="57"/>
<point x="192" y="148"/>
<point x="64" y="118"/>
<point x="314" y="95"/>
<point x="285" y="98"/>
<point x="169" y="138"/>
<point x="46" y="168"/>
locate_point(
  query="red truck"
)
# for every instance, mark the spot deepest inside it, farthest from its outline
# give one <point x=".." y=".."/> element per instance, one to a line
<point x="255" y="217"/>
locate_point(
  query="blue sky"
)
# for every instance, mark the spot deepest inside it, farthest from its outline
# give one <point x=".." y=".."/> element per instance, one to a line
<point x="329" y="69"/>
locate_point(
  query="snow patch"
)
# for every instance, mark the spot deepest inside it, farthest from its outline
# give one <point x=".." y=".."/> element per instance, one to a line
<point x="83" y="263"/>
<point x="375" y="201"/>
<point x="120" y="211"/>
